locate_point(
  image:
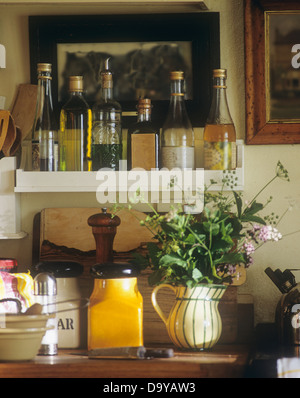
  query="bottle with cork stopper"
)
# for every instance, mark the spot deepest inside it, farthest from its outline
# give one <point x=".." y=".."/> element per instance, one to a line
<point x="143" y="139"/>
<point x="219" y="131"/>
<point x="107" y="130"/>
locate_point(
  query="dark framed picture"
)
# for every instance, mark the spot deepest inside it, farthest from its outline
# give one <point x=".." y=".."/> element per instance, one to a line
<point x="142" y="50"/>
<point x="272" y="53"/>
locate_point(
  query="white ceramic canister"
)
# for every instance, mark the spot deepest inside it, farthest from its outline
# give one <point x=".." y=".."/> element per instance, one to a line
<point x="68" y="298"/>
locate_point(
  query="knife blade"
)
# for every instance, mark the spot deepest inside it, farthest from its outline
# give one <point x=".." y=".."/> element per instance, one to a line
<point x="139" y="352"/>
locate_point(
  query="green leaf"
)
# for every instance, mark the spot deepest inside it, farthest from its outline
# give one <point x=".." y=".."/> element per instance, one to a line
<point x="154" y="251"/>
<point x="251" y="218"/>
<point x="230" y="258"/>
<point x="254" y="208"/>
<point x="197" y="274"/>
<point x="238" y="202"/>
<point x="172" y="259"/>
<point x="155" y="277"/>
<point x="140" y="261"/>
<point x="211" y="228"/>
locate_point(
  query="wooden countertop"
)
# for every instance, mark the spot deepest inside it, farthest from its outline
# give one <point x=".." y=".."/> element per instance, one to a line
<point x="223" y="361"/>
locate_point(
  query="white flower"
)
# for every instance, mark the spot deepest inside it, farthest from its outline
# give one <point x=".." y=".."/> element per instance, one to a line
<point x="269" y="233"/>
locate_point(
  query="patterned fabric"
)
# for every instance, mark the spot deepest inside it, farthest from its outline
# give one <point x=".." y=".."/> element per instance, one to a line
<point x="15" y="286"/>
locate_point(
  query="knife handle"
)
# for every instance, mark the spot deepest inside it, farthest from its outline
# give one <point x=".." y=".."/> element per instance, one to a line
<point x="159" y="353"/>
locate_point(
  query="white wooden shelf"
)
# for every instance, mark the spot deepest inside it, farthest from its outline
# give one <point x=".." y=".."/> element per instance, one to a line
<point x="10" y="220"/>
<point x="15" y="182"/>
<point x="73" y="181"/>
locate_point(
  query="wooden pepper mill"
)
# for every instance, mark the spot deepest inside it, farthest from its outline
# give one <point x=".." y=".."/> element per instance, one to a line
<point x="104" y="228"/>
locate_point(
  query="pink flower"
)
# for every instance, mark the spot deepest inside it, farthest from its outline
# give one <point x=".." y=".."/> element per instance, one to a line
<point x="249" y="248"/>
<point x="269" y="233"/>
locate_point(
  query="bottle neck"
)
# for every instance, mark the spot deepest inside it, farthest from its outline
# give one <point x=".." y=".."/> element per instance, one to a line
<point x="177" y="90"/>
<point x="144" y="115"/>
<point x="44" y="87"/>
<point x="107" y="93"/>
<point x="76" y="93"/>
<point x="106" y="86"/>
<point x="219" y="111"/>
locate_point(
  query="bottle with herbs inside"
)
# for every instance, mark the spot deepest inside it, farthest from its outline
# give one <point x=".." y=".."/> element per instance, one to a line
<point x="44" y="143"/>
<point x="75" y="130"/>
<point x="143" y="139"/>
<point x="219" y="132"/>
<point x="106" y="131"/>
<point x="177" y="141"/>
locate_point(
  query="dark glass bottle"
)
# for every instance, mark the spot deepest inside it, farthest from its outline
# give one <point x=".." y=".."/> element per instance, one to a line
<point x="75" y="130"/>
<point x="44" y="141"/>
<point x="143" y="139"/>
<point x="219" y="131"/>
<point x="106" y="131"/>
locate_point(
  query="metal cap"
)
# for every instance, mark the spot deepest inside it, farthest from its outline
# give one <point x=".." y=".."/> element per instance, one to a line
<point x="76" y="83"/>
<point x="44" y="284"/>
<point x="220" y="73"/>
<point x="177" y="75"/>
<point x="43" y="67"/>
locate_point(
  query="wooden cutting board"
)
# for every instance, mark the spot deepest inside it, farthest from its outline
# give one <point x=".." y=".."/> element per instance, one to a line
<point x="69" y="227"/>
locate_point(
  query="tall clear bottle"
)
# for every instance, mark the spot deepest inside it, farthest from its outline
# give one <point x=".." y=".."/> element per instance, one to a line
<point x="177" y="140"/>
<point x="44" y="141"/>
<point x="219" y="132"/>
<point x="107" y="130"/>
<point x="143" y="139"/>
<point x="75" y="130"/>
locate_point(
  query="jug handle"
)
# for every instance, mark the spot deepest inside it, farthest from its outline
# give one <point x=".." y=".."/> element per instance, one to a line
<point x="154" y="300"/>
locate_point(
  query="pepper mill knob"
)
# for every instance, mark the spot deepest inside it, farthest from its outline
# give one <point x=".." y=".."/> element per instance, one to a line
<point x="104" y="228"/>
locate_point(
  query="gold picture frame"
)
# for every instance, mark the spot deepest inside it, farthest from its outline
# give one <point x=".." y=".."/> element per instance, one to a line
<point x="263" y="127"/>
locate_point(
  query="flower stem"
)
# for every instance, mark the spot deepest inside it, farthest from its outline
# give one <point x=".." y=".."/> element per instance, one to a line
<point x="264" y="187"/>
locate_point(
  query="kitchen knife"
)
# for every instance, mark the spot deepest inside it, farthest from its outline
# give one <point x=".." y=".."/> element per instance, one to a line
<point x="130" y="353"/>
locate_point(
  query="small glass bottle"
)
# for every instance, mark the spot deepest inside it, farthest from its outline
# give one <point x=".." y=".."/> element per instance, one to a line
<point x="106" y="131"/>
<point x="177" y="141"/>
<point x="143" y="139"/>
<point x="44" y="142"/>
<point x="219" y="132"/>
<point x="75" y="130"/>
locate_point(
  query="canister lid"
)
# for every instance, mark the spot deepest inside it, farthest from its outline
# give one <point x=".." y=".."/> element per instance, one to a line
<point x="44" y="284"/>
<point x="61" y="269"/>
<point x="114" y="270"/>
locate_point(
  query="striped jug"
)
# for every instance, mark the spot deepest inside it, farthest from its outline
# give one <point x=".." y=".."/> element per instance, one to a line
<point x="194" y="321"/>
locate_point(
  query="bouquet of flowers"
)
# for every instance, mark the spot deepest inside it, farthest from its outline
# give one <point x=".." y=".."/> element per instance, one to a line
<point x="191" y="249"/>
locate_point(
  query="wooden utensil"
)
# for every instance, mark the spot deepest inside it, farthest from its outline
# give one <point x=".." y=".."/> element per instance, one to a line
<point x="4" y="121"/>
<point x="10" y="135"/>
<point x="23" y="109"/>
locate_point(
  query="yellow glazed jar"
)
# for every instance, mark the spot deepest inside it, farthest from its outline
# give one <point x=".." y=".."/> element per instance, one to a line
<point x="115" y="313"/>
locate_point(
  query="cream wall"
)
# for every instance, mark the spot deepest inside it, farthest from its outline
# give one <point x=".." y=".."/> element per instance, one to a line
<point x="260" y="161"/>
